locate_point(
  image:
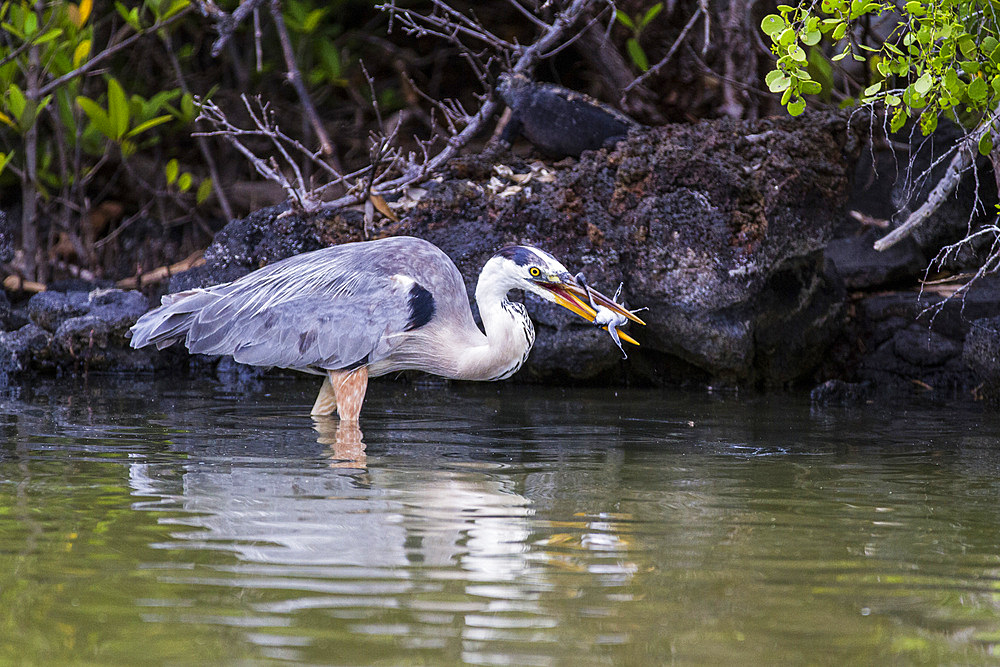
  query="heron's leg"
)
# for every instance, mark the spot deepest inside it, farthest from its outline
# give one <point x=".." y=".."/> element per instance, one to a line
<point x="349" y="388"/>
<point x="326" y="402"/>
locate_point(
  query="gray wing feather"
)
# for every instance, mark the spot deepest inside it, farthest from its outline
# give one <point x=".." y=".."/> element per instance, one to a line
<point x="329" y="308"/>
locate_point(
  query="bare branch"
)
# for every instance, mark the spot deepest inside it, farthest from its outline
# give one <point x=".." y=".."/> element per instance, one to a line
<point x="295" y="78"/>
<point x="107" y="52"/>
<point x="225" y="23"/>
<point x="670" y="53"/>
<point x="964" y="154"/>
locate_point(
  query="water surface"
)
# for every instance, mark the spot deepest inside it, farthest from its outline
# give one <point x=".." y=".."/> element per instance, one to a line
<point x="177" y="522"/>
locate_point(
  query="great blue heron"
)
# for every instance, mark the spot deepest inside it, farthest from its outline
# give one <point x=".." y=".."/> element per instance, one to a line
<point x="370" y="308"/>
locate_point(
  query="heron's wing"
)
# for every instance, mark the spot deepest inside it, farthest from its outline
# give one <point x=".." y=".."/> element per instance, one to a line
<point x="322" y="328"/>
<point x="328" y="308"/>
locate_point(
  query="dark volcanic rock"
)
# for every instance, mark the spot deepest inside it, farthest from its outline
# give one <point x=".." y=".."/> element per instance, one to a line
<point x="6" y="238"/>
<point x="912" y="341"/>
<point x="50" y="309"/>
<point x="261" y="238"/>
<point x="98" y="337"/>
<point x="71" y="329"/>
<point x="717" y="228"/>
<point x="28" y="348"/>
<point x="862" y="267"/>
<point x="838" y="392"/>
<point x="11" y="319"/>
<point x="981" y="354"/>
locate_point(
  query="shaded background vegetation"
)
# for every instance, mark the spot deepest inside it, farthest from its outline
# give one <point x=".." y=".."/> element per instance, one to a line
<point x="108" y="198"/>
<point x="107" y="173"/>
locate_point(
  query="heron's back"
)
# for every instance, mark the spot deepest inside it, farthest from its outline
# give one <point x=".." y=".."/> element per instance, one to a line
<point x="337" y="307"/>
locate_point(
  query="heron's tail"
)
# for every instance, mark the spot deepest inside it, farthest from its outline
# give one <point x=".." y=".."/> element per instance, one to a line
<point x="171" y="322"/>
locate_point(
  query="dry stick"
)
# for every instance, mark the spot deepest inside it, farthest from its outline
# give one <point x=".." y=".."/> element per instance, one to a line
<point x="961" y="161"/>
<point x="227" y="24"/>
<point x="295" y="78"/>
<point x="108" y="52"/>
<point x="213" y="172"/>
<point x="29" y="190"/>
<point x="670" y="54"/>
<point x="213" y="114"/>
<point x="261" y="121"/>
<point x="529" y="55"/>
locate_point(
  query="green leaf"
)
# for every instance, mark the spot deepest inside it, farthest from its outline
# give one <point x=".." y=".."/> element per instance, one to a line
<point x="812" y="37"/>
<point x="796" y="106"/>
<point x="637" y="54"/>
<point x="797" y="54"/>
<point x="624" y="19"/>
<point x="873" y="89"/>
<point x="969" y="67"/>
<point x="977" y="90"/>
<point x="312" y="20"/>
<point x="787" y="37"/>
<point x="777" y="81"/>
<point x="185" y="181"/>
<point x="915" y="8"/>
<point x="772" y="25"/>
<point x="171" y="171"/>
<point x="16" y="101"/>
<point x="204" y="191"/>
<point x="80" y="53"/>
<point x="49" y="36"/>
<point x="923" y="84"/>
<point x="839" y="31"/>
<point x="898" y="120"/>
<point x="928" y="122"/>
<point x="650" y="15"/>
<point x="174" y="7"/>
<point x="967" y="45"/>
<point x="995" y="84"/>
<point x="98" y="116"/>
<point x="149" y="124"/>
<point x="985" y="143"/>
<point x="5" y="160"/>
<point x="811" y="87"/>
<point x="118" y="111"/>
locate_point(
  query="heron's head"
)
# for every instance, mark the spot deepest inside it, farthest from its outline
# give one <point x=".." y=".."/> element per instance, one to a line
<point x="538" y="272"/>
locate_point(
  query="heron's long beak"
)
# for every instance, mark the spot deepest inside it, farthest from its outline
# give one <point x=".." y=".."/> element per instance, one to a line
<point x="570" y="294"/>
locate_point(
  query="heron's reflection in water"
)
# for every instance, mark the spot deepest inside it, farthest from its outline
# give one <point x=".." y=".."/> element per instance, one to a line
<point x="344" y="438"/>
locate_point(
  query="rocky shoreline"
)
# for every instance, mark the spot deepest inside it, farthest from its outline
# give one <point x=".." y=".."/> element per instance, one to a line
<point x="742" y="238"/>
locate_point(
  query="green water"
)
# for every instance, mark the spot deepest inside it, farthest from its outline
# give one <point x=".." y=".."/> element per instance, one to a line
<point x="168" y="522"/>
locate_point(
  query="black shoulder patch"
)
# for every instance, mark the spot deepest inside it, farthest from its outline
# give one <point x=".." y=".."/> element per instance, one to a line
<point x="519" y="255"/>
<point x="421" y="307"/>
<point x="357" y="364"/>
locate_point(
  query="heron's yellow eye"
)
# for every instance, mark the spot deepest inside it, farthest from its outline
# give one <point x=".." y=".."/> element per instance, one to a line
<point x="535" y="271"/>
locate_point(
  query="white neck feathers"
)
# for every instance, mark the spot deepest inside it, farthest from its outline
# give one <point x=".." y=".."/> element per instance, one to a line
<point x="509" y="332"/>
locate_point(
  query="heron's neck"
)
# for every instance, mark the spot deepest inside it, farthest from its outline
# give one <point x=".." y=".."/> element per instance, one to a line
<point x="509" y="332"/>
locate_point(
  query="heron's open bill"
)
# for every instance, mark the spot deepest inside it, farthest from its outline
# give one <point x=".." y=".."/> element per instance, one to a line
<point x="371" y="308"/>
<point x="571" y="293"/>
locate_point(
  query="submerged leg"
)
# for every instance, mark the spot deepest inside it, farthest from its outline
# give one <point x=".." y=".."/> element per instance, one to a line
<point x="343" y="391"/>
<point x="326" y="402"/>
